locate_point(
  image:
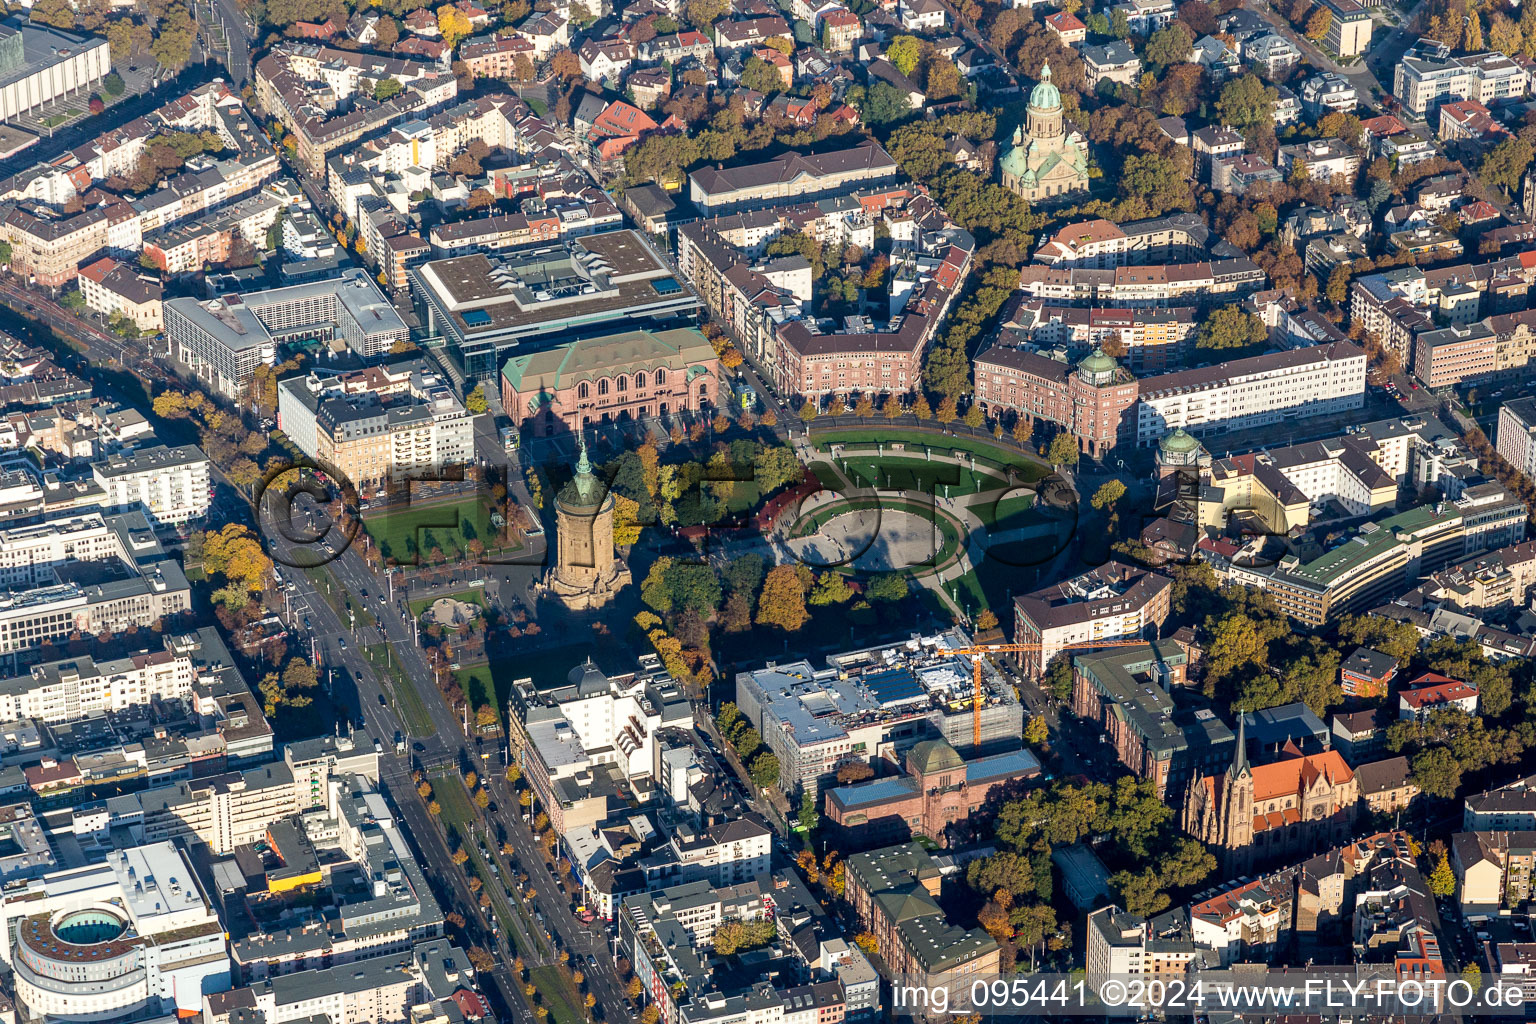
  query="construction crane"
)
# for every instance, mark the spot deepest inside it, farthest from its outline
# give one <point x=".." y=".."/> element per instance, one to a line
<point x="977" y="652"/>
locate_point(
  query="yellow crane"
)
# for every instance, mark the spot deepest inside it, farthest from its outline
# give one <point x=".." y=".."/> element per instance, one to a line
<point x="977" y="652"/>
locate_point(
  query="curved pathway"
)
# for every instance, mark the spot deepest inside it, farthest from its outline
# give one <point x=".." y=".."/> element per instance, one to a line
<point x="961" y="509"/>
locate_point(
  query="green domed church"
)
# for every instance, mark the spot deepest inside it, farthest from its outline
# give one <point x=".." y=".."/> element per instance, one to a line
<point x="1046" y="160"/>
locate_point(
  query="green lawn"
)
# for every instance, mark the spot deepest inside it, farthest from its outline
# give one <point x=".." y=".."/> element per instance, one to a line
<point x="1010" y="512"/>
<point x="478" y="686"/>
<point x="407" y="702"/>
<point x="967" y="592"/>
<point x="474" y="595"/>
<point x="556" y="993"/>
<point x="448" y="790"/>
<point x="907" y="474"/>
<point x="996" y="454"/>
<point x="402" y="532"/>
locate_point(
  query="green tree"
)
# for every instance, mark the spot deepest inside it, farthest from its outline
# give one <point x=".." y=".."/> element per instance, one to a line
<point x="1503" y="165"/>
<point x="1230" y="327"/>
<point x="387" y="88"/>
<point x="904" y="52"/>
<point x="765" y="771"/>
<point x="831" y="587"/>
<point x="1399" y="640"/>
<point x="1168" y="46"/>
<point x="1063" y="450"/>
<point x="1108" y="495"/>
<point x="475" y="401"/>
<point x="1442" y="880"/>
<point x="810" y="818"/>
<point x="1437" y="772"/>
<point x="1037" y="731"/>
<point x="1057" y="680"/>
<point x="974" y="417"/>
<point x="1139" y="892"/>
<point x="890" y="586"/>
<point x="1247" y="102"/>
<point x="884" y="104"/>
<point x="760" y="76"/>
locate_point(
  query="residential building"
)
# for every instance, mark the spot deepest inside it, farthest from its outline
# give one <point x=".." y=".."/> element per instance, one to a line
<point x="49" y="249"/>
<point x="377" y="425"/>
<point x="1493" y="870"/>
<point x="1270" y="54"/>
<point x="1367" y="673"/>
<point x="171" y="485"/>
<point x="576" y="742"/>
<point x="1433" y="692"/>
<point x="716" y="190"/>
<point x="1112" y="62"/>
<point x="1127" y="693"/>
<point x="1117" y="601"/>
<point x="1423" y="80"/>
<point x="1121" y="943"/>
<point x="1251" y="392"/>
<point x="1508" y="808"/>
<point x="1068" y="27"/>
<point x="110" y="288"/>
<point x="1359" y="736"/>
<point x="1328" y="93"/>
<point x="634" y="375"/>
<point x="1386" y="786"/>
<point x="1322" y="158"/>
<point x="1246" y="921"/>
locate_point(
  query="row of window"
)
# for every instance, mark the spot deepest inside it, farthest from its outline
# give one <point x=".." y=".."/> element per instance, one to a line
<point x="583" y="390"/>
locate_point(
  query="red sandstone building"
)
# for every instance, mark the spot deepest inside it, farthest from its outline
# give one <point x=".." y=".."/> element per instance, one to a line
<point x="1090" y="401"/>
<point x="939" y="789"/>
<point x="634" y="375"/>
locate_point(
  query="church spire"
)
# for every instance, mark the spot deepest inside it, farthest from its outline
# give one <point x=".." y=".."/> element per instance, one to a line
<point x="1240" y="767"/>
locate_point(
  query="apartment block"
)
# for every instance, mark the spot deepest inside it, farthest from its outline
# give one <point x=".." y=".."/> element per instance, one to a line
<point x="1117" y="601"/>
<point x="378" y="425"/>
<point x="171" y="485"/>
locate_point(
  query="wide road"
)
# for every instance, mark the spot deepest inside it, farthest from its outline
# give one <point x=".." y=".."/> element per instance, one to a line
<point x="355" y="687"/>
<point x="446" y="745"/>
<point x="238" y="31"/>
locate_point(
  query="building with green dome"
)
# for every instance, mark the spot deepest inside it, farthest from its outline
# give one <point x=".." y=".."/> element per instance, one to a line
<point x="1046" y="160"/>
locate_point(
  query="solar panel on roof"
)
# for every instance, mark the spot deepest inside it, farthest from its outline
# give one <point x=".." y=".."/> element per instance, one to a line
<point x="476" y="318"/>
<point x="893" y="686"/>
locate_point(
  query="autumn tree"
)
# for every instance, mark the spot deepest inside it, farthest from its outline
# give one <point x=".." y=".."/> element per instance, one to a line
<point x="782" y="601"/>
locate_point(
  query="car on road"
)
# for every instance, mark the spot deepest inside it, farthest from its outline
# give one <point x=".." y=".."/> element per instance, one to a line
<point x="341" y="642"/>
<point x="384" y="704"/>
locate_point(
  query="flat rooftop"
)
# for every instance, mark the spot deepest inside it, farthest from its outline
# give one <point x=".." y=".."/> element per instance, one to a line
<point x="589" y="280"/>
